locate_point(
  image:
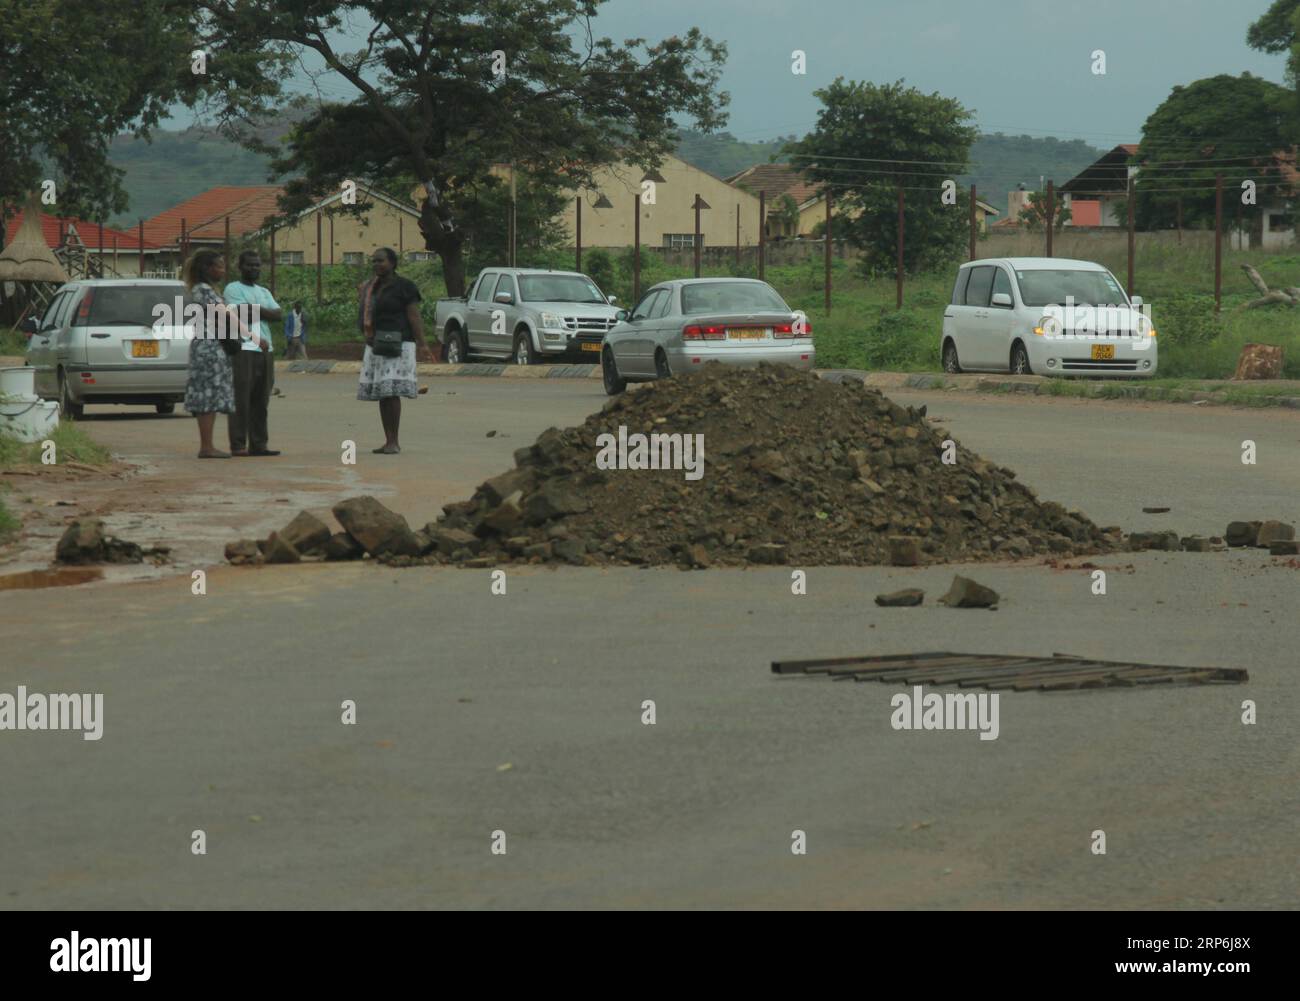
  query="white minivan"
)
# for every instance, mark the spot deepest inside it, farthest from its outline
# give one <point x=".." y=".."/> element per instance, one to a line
<point x="1045" y="316"/>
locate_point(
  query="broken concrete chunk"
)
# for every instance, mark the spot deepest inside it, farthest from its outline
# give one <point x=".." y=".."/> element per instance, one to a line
<point x="1284" y="547"/>
<point x="767" y="553"/>
<point x="555" y="499"/>
<point x="279" y="550"/>
<point x="1242" y="533"/>
<point x="448" y="540"/>
<point x="382" y="532"/>
<point x="82" y="542"/>
<point x="965" y="593"/>
<point x="500" y="487"/>
<point x="506" y="515"/>
<point x="342" y="546"/>
<point x="1274" y="531"/>
<point x="905" y="598"/>
<point x="306" y="533"/>
<point x="1196" y="544"/>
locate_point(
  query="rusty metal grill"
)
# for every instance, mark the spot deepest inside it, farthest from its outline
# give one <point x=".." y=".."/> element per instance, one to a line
<point x="994" y="672"/>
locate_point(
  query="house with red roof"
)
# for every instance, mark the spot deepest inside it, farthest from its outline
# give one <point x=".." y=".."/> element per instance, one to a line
<point x="105" y="250"/>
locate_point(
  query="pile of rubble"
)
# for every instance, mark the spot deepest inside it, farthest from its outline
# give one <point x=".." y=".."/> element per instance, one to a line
<point x="796" y="470"/>
<point x="87" y="542"/>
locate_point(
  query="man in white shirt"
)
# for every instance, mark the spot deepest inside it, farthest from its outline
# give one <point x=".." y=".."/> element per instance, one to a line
<point x="254" y="367"/>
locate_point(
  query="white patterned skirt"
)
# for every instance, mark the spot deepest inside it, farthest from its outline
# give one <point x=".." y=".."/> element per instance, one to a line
<point x="383" y="377"/>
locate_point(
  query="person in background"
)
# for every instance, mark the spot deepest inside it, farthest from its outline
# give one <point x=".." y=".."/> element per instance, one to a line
<point x="295" y="333"/>
<point x="210" y="387"/>
<point x="390" y="302"/>
<point x="254" y="367"/>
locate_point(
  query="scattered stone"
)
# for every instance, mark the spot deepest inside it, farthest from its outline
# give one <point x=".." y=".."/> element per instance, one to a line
<point x="1284" y="547"/>
<point x="306" y="533"/>
<point x="699" y="556"/>
<point x="1242" y="533"/>
<point x="905" y="598"/>
<point x="380" y="531"/>
<point x="342" y="546"/>
<point x="1167" y="540"/>
<point x="1155" y="510"/>
<point x="1274" y="531"/>
<point x="965" y="593"/>
<point x="448" y="540"/>
<point x="1197" y="544"/>
<point x="86" y="542"/>
<point x="243" y="551"/>
<point x="904" y="552"/>
<point x="279" y="550"/>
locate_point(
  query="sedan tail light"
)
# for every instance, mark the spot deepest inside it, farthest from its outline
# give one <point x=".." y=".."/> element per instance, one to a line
<point x="698" y="333"/>
<point x="788" y="330"/>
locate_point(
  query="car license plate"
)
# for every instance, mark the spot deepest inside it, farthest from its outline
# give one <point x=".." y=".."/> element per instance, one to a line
<point x="1103" y="352"/>
<point x="144" y="349"/>
<point x="591" y="347"/>
<point x="748" y="334"/>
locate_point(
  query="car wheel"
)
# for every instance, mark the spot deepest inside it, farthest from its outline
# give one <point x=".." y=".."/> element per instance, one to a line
<point x="453" y="350"/>
<point x="662" y="370"/>
<point x="609" y="374"/>
<point x="1020" y="360"/>
<point x="524" y="354"/>
<point x="70" y="409"/>
<point x="950" y="363"/>
<point x="165" y="408"/>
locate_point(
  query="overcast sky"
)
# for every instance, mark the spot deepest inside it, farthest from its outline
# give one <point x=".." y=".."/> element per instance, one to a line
<point x="1023" y="66"/>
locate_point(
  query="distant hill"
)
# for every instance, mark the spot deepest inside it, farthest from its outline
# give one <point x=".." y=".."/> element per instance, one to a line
<point x="179" y="165"/>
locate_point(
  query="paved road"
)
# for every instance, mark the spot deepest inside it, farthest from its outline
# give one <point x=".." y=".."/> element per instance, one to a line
<point x="222" y="711"/>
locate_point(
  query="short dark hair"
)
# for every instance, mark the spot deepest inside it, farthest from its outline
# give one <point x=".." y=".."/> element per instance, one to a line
<point x="390" y="253"/>
<point x="245" y="254"/>
<point x="298" y="304"/>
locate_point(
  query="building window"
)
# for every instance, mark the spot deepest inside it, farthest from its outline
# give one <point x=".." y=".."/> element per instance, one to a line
<point x="354" y="257"/>
<point x="419" y="255"/>
<point x="1280" y="220"/>
<point x="288" y="257"/>
<point x="681" y="241"/>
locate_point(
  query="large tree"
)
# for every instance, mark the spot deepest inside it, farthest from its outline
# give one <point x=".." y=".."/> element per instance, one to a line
<point x="442" y="91"/>
<point x="72" y="76"/>
<point x="1229" y="125"/>
<point x="869" y="141"/>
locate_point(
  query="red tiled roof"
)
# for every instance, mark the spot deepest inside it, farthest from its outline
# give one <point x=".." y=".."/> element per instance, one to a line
<point x="1129" y="148"/>
<point x="87" y="231"/>
<point x="205" y="214"/>
<point x="777" y="179"/>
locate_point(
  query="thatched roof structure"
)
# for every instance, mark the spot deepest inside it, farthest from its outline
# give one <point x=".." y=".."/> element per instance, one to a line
<point x="27" y="258"/>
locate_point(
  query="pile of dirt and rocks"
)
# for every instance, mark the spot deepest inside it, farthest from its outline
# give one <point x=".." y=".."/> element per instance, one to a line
<point x="793" y="469"/>
<point x="796" y="470"/>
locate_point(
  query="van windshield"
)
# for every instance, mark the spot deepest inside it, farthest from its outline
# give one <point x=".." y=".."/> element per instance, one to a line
<point x="130" y="305"/>
<point x="1041" y="287"/>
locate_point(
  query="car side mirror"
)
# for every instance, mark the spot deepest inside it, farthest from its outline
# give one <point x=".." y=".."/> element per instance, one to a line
<point x="28" y="326"/>
<point x="612" y="298"/>
<point x="1136" y="300"/>
<point x="1001" y="299"/>
<point x="505" y="298"/>
<point x="622" y="316"/>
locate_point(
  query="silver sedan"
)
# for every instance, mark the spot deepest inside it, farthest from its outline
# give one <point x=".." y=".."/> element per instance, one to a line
<point x="680" y="324"/>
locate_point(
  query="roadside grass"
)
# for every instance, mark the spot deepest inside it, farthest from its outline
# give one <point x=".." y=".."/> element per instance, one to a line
<point x="9" y="524"/>
<point x="865" y="330"/>
<point x="71" y="444"/>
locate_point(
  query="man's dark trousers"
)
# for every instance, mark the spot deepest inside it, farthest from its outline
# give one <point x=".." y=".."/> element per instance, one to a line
<point x="254" y="373"/>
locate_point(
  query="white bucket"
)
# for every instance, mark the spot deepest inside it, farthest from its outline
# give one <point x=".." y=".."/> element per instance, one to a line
<point x="18" y="383"/>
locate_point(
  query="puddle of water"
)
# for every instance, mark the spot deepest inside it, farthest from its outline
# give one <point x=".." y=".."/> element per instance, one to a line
<point x="62" y="577"/>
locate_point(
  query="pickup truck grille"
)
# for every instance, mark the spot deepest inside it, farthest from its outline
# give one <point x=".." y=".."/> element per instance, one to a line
<point x="589" y="324"/>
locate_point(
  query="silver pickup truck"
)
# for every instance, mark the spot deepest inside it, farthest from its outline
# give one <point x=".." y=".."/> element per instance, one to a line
<point x="527" y="315"/>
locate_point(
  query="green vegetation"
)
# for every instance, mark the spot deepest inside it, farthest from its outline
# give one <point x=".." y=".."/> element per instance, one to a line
<point x="864" y="330"/>
<point x="9" y="524"/>
<point x="71" y="444"/>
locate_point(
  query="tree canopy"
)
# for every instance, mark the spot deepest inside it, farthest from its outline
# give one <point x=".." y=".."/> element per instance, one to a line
<point x="445" y="91"/>
<point x="869" y="141"/>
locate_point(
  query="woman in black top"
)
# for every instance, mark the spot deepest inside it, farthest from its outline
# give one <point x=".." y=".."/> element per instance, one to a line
<point x="390" y="302"/>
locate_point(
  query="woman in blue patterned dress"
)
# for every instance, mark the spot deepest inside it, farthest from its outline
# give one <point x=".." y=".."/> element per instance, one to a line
<point x="210" y="389"/>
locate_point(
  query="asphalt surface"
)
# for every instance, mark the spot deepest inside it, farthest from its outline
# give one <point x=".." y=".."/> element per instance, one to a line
<point x="522" y="712"/>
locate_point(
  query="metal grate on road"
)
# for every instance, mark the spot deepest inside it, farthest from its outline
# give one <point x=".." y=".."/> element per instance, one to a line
<point x="994" y="672"/>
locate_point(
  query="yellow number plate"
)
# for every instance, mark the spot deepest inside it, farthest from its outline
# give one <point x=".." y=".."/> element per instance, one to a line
<point x="1103" y="352"/>
<point x="144" y="349"/>
<point x="747" y="335"/>
<point x="591" y="347"/>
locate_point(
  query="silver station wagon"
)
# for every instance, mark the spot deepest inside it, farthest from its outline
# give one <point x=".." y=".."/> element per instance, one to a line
<point x="680" y="324"/>
<point x="97" y="343"/>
